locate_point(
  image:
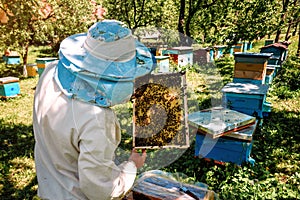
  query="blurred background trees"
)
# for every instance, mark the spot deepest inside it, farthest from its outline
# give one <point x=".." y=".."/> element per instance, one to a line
<point x="211" y="22"/>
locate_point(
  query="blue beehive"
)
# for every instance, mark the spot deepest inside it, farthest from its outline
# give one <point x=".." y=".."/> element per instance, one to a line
<point x="163" y="64"/>
<point x="231" y="146"/>
<point x="249" y="46"/>
<point x="246" y="98"/>
<point x="11" y="60"/>
<point x="219" y="51"/>
<point x="181" y="56"/>
<point x="279" y="51"/>
<point x="268" y="41"/>
<point x="250" y="67"/>
<point x="269" y="75"/>
<point x="9" y="87"/>
<point x="43" y="62"/>
<point x="223" y="149"/>
<point x="203" y="55"/>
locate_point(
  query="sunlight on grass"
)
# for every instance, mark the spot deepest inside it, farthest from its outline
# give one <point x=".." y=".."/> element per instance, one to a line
<point x="289" y="105"/>
<point x="15" y="110"/>
<point x="275" y="148"/>
<point x="21" y="172"/>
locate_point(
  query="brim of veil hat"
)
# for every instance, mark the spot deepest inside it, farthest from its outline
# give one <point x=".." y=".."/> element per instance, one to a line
<point x="81" y="60"/>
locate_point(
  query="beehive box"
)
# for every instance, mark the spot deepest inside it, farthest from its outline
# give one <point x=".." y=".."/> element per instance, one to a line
<point x="181" y="56"/>
<point x="9" y="87"/>
<point x="11" y="59"/>
<point x="203" y="55"/>
<point x="163" y="64"/>
<point x="249" y="80"/>
<point x="157" y="185"/>
<point x="268" y="41"/>
<point x="245" y="97"/>
<point x="275" y="68"/>
<point x="219" y="51"/>
<point x="42" y="63"/>
<point x="32" y="70"/>
<point x="251" y="65"/>
<point x="160" y="111"/>
<point x="226" y="149"/>
<point x="238" y="47"/>
<point x="278" y="50"/>
<point x="269" y="75"/>
<point x="219" y="121"/>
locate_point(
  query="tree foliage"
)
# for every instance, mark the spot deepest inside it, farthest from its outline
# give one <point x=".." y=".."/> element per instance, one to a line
<point x="141" y="13"/>
<point x="48" y="22"/>
<point x="21" y="22"/>
<point x="43" y="22"/>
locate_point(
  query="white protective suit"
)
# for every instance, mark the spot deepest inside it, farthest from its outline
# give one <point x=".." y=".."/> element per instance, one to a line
<point x="75" y="145"/>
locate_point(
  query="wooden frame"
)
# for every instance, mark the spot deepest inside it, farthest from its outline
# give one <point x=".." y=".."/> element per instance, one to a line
<point x="160" y="112"/>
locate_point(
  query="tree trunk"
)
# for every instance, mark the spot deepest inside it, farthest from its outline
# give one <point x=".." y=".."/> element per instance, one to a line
<point x="282" y="18"/>
<point x="25" y="56"/>
<point x="298" y="50"/>
<point x="287" y="35"/>
<point x="181" y="23"/>
<point x="295" y="29"/>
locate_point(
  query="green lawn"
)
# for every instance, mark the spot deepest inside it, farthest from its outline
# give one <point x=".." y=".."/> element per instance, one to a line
<point x="276" y="148"/>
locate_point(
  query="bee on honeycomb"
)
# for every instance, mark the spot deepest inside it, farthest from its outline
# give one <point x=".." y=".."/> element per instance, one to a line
<point x="159" y="114"/>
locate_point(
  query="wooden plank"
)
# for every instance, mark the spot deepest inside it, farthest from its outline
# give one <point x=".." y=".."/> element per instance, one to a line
<point x="257" y="67"/>
<point x="160" y="111"/>
<point x="249" y="74"/>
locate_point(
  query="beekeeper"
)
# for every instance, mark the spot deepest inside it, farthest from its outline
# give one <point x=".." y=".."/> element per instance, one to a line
<point x="76" y="131"/>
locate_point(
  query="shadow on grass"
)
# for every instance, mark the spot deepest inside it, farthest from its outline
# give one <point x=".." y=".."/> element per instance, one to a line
<point x="17" y="177"/>
<point x="277" y="140"/>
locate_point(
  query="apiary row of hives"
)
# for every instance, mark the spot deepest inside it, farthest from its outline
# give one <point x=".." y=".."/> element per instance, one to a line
<point x="9" y="86"/>
<point x="226" y="134"/>
<point x="223" y="134"/>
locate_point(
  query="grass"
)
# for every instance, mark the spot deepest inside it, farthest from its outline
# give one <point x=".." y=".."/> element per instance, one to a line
<point x="275" y="175"/>
<point x="17" y="176"/>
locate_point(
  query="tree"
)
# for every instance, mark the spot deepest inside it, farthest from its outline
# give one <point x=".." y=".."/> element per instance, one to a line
<point x="227" y="21"/>
<point x="142" y="13"/>
<point x="18" y="30"/>
<point x="43" y="22"/>
<point x="186" y="17"/>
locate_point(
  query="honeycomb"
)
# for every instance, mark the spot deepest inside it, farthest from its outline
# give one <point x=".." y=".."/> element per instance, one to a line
<point x="159" y="111"/>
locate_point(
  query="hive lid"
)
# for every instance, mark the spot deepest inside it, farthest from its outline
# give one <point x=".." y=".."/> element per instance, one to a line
<point x="161" y="57"/>
<point x="243" y="88"/>
<point x="218" y="121"/>
<point x="276" y="45"/>
<point x="253" y="54"/>
<point x="8" y="79"/>
<point x="244" y="134"/>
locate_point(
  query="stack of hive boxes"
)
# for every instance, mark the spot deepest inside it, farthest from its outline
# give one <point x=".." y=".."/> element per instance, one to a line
<point x="250" y="67"/>
<point x="279" y="54"/>
<point x="223" y="135"/>
<point x="42" y="63"/>
<point x="247" y="93"/>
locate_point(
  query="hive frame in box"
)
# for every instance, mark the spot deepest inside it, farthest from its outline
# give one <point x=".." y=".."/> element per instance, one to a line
<point x="160" y="106"/>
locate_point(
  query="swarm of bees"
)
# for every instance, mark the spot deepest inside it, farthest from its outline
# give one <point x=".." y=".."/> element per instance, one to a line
<point x="159" y="111"/>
